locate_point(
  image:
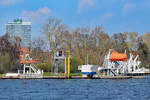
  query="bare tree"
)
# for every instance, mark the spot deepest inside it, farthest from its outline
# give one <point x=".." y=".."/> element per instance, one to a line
<point x="132" y="38"/>
<point x="9" y="52"/>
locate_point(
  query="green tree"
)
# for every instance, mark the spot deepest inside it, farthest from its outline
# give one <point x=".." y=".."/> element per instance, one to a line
<point x="75" y="62"/>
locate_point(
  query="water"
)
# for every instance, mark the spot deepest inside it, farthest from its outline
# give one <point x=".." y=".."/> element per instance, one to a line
<point x="75" y="89"/>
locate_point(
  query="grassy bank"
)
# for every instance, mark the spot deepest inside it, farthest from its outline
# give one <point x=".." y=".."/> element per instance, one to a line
<point x="1" y="75"/>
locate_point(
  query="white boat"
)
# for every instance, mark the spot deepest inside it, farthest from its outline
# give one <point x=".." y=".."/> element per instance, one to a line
<point x="88" y="70"/>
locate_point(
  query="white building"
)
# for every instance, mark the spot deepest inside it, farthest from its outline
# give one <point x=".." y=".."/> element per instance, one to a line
<point x="21" y="29"/>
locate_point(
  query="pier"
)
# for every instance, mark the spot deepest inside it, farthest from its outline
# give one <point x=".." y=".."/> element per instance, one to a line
<point x="80" y="77"/>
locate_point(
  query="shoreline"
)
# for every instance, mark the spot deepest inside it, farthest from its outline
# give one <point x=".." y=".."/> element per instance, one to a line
<point x="80" y="77"/>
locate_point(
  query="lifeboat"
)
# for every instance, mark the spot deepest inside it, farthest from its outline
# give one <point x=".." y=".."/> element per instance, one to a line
<point x="22" y="61"/>
<point x="115" y="56"/>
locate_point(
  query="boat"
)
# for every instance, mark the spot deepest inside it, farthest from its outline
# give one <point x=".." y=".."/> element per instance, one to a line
<point x="88" y="70"/>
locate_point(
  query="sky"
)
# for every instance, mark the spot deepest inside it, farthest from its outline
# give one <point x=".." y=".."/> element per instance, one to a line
<point x="114" y="16"/>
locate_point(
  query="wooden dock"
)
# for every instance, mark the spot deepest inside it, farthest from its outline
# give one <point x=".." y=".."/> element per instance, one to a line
<point x="100" y="77"/>
<point x="80" y="77"/>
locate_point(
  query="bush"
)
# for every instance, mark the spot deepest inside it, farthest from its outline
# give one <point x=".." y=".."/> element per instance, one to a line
<point x="75" y="62"/>
<point x="46" y="66"/>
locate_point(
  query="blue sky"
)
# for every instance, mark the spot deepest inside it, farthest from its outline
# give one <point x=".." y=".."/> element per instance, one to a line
<point x="113" y="15"/>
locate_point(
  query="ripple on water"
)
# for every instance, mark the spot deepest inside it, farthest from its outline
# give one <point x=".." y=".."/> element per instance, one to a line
<point x="76" y="89"/>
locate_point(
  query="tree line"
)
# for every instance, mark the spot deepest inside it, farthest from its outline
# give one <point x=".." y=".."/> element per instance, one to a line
<point x="82" y="42"/>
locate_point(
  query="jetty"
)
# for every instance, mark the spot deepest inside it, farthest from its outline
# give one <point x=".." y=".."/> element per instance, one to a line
<point x="80" y="77"/>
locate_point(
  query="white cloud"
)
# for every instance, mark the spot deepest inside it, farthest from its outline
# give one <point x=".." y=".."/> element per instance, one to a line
<point x="84" y="4"/>
<point x="132" y="7"/>
<point x="36" y="16"/>
<point x="8" y="2"/>
<point x="107" y="16"/>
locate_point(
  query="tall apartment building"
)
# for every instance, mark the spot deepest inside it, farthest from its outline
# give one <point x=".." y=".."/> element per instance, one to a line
<point x="21" y="29"/>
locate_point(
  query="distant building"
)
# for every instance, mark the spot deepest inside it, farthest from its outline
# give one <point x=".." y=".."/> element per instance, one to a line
<point x="21" y="29"/>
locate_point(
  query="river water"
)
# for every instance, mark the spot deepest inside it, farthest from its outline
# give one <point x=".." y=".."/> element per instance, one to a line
<point x="75" y="89"/>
